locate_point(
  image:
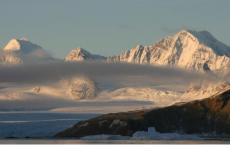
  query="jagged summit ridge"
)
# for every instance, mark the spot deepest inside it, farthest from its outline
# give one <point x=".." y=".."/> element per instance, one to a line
<point x="81" y="54"/>
<point x="193" y="50"/>
<point x="206" y="38"/>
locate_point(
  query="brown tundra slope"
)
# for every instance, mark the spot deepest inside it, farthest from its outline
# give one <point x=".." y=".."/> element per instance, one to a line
<point x="211" y="115"/>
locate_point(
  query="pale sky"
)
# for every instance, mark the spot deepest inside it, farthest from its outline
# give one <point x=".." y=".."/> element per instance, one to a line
<point x="108" y="27"/>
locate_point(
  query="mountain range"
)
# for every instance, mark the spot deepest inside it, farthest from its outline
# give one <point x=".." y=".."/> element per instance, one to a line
<point x="201" y="108"/>
<point x="190" y="50"/>
<point x="198" y="51"/>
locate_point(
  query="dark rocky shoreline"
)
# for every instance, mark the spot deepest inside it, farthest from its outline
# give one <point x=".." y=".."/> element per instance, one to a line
<point x="209" y="116"/>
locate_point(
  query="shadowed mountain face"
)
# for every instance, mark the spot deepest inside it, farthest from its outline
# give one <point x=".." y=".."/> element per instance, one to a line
<point x="211" y="115"/>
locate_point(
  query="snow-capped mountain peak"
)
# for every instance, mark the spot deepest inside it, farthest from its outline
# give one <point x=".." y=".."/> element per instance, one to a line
<point x="193" y="50"/>
<point x="23" y="45"/>
<point x="79" y="54"/>
<point x="80" y="50"/>
<point x="204" y="37"/>
<point x="18" y="51"/>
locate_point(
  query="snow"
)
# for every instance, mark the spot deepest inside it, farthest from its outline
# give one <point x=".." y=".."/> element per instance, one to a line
<point x="55" y="98"/>
<point x="12" y="45"/>
<point x="192" y="50"/>
<point x="9" y="58"/>
<point x="117" y="121"/>
<point x="23" y="45"/>
<point x="107" y="101"/>
<point x="82" y="88"/>
<point x="84" y="124"/>
<point x="81" y="54"/>
<point x="20" y="51"/>
<point x="148" y="93"/>
<point x="101" y="122"/>
<point x="203" y="89"/>
<point x="104" y="107"/>
<point x="187" y="49"/>
<point x="207" y="39"/>
<point x="78" y="88"/>
<point x="9" y="96"/>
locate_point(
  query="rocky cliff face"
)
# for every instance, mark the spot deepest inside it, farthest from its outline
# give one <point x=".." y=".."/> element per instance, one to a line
<point x="207" y="116"/>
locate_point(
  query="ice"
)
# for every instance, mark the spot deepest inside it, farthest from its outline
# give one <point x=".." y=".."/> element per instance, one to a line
<point x="142" y="135"/>
<point x="152" y="134"/>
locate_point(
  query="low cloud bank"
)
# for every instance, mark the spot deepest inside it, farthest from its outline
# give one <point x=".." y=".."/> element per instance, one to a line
<point x="133" y="73"/>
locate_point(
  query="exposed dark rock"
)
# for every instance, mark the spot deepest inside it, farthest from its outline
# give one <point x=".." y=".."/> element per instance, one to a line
<point x="211" y="115"/>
